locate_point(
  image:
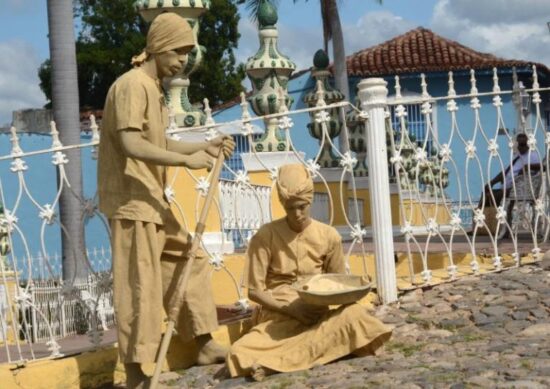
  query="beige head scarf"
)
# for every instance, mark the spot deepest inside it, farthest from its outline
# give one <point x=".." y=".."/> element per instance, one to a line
<point x="294" y="183"/>
<point x="168" y="31"/>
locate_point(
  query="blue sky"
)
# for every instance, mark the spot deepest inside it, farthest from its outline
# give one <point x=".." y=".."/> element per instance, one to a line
<point x="507" y="28"/>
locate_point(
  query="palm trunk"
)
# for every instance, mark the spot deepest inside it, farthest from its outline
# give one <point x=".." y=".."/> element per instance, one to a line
<point x="340" y="67"/>
<point x="66" y="115"/>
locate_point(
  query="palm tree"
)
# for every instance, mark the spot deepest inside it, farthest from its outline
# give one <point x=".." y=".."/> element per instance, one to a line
<point x="332" y="31"/>
<point x="66" y="115"/>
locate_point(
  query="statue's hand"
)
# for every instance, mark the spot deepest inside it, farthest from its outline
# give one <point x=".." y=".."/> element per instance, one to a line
<point x="227" y="144"/>
<point x="199" y="160"/>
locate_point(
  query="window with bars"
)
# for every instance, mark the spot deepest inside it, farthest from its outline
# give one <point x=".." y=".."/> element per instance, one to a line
<point x="416" y="125"/>
<point x="235" y="163"/>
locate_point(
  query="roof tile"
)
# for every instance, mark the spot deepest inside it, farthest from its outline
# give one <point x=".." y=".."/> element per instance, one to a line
<point x="421" y="50"/>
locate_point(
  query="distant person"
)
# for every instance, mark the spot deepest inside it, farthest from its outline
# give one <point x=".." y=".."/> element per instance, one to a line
<point x="147" y="240"/>
<point x="523" y="163"/>
<point x="290" y="334"/>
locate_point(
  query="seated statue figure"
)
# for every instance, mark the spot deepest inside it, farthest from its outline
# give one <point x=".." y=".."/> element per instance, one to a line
<point x="289" y="334"/>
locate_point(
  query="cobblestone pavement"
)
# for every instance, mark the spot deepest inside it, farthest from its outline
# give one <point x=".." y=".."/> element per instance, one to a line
<point x="491" y="331"/>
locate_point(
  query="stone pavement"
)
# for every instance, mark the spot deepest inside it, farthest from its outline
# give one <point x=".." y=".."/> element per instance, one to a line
<point x="491" y="331"/>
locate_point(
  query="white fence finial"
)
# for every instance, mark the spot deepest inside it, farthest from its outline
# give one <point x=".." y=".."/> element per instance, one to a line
<point x="95" y="136"/>
<point x="424" y="86"/>
<point x="535" y="78"/>
<point x="244" y="107"/>
<point x="473" y="82"/>
<point x="496" y="86"/>
<point x="397" y="88"/>
<point x="451" y="82"/>
<point x="211" y="133"/>
<point x="15" y="148"/>
<point x="95" y="129"/>
<point x="208" y="112"/>
<point x="515" y="81"/>
<point x="56" y="143"/>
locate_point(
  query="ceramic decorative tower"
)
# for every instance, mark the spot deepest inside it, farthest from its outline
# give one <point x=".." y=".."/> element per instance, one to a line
<point x="177" y="95"/>
<point x="330" y="95"/>
<point x="269" y="71"/>
<point x="356" y="126"/>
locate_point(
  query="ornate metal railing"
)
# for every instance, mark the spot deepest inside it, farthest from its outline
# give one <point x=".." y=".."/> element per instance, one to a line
<point x="469" y="154"/>
<point x="426" y="186"/>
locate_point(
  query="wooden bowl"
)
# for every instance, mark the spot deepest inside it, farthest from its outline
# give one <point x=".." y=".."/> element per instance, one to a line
<point x="332" y="289"/>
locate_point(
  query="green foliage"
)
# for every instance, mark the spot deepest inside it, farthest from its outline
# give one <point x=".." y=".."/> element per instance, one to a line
<point x="113" y="31"/>
<point x="218" y="78"/>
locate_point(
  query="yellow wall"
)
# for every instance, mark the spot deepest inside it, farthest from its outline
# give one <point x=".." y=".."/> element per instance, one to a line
<point x="418" y="213"/>
<point x="186" y="197"/>
<point x="334" y="188"/>
<point x="10" y="289"/>
<point x="264" y="178"/>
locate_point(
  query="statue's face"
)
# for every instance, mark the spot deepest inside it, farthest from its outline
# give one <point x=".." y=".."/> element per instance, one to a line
<point x="298" y="214"/>
<point x="170" y="63"/>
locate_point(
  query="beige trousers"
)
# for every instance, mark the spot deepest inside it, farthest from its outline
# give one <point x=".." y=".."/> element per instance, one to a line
<point x="145" y="256"/>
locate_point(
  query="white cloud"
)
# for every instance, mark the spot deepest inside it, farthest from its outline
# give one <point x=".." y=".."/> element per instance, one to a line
<point x="19" y="83"/>
<point x="374" y="28"/>
<point x="511" y="29"/>
<point x="300" y="44"/>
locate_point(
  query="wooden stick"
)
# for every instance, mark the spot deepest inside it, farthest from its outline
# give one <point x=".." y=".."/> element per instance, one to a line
<point x="176" y="299"/>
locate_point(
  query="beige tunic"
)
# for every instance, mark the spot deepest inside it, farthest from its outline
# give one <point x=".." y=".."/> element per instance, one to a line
<point x="147" y="240"/>
<point x="277" y="257"/>
<point x="128" y="188"/>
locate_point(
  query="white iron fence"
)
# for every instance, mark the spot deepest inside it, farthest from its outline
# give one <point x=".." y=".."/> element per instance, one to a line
<point x="425" y="172"/>
<point x="485" y="227"/>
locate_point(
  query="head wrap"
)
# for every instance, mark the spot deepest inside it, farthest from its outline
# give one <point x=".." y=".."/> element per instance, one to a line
<point x="168" y="31"/>
<point x="294" y="183"/>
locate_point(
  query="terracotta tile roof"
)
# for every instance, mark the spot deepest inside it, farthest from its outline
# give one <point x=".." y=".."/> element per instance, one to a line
<point x="421" y="50"/>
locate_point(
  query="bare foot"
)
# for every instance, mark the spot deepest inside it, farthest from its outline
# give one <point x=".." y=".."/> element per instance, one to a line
<point x="210" y="351"/>
<point x="135" y="379"/>
<point x="258" y="373"/>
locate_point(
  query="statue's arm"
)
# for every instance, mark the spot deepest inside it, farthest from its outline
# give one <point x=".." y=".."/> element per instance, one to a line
<point x="185" y="147"/>
<point x="135" y="146"/>
<point x="212" y="147"/>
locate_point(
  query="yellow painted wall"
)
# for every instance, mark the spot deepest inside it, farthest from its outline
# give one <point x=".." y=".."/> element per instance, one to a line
<point x="334" y="189"/>
<point x="264" y="178"/>
<point x="10" y="289"/>
<point x="418" y="213"/>
<point x="186" y="197"/>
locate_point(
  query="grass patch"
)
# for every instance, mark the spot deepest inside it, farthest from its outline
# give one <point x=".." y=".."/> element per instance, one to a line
<point x="526" y="364"/>
<point x="281" y="384"/>
<point x="447" y="377"/>
<point x="472" y="337"/>
<point x="406" y="349"/>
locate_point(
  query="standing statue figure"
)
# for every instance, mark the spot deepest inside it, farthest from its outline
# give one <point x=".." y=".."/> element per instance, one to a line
<point x="147" y="240"/>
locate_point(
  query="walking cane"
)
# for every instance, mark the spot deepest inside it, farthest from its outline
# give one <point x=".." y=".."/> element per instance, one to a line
<point x="175" y="300"/>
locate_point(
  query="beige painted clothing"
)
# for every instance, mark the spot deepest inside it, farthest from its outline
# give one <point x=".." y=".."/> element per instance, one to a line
<point x="128" y="188"/>
<point x="147" y="241"/>
<point x="278" y="257"/>
<point x="145" y="256"/>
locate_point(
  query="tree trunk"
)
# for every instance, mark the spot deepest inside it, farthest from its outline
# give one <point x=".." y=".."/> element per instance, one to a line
<point x="340" y="67"/>
<point x="66" y="115"/>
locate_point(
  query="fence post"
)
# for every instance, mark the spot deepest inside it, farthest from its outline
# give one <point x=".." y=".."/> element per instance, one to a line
<point x="61" y="304"/>
<point x="373" y="95"/>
